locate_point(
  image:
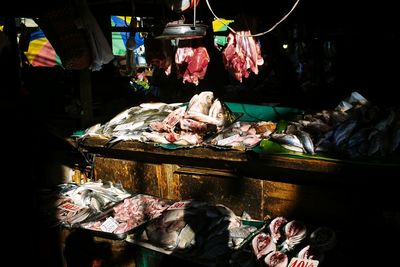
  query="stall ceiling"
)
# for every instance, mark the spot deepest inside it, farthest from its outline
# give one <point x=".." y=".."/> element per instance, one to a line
<point x="313" y="11"/>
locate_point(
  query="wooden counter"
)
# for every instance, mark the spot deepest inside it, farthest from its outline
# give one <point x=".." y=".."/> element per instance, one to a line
<point x="319" y="191"/>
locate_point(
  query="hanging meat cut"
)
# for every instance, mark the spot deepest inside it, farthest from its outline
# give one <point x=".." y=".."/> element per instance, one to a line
<point x="192" y="63"/>
<point x="242" y="55"/>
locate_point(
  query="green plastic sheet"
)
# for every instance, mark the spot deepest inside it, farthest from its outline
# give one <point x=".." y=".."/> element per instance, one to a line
<point x="263" y="112"/>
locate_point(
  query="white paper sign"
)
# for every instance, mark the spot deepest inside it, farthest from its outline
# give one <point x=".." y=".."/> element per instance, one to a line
<point x="109" y="225"/>
<point x="297" y="262"/>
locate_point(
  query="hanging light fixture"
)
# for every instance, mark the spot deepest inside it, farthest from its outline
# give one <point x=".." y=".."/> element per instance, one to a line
<point x="183" y="31"/>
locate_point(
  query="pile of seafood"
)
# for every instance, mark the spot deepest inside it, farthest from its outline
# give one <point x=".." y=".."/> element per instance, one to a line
<point x="198" y="230"/>
<point x="243" y="135"/>
<point x="283" y="240"/>
<point x="205" y="120"/>
<point x="355" y="128"/>
<point x="72" y="204"/>
<point x="130" y="213"/>
<point x="162" y="123"/>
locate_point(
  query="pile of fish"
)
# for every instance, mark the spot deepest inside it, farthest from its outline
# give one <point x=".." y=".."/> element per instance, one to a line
<point x="82" y="202"/>
<point x="130" y="213"/>
<point x="355" y="128"/>
<point x="131" y="123"/>
<point x="243" y="135"/>
<point x="284" y="239"/>
<point x="162" y="123"/>
<point x="199" y="230"/>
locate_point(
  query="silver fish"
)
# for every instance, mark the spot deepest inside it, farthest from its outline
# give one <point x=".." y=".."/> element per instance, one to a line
<point x="343" y="131"/>
<point x="287" y="139"/>
<point x="154" y="137"/>
<point x="220" y="112"/>
<point x="293" y="148"/>
<point x="306" y="141"/>
<point x="358" y="137"/>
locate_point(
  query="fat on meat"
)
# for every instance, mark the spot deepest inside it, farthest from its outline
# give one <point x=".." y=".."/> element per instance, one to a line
<point x="242" y="55"/>
<point x="192" y="63"/>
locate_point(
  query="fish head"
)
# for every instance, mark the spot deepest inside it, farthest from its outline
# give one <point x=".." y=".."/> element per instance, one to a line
<point x="206" y="98"/>
<point x="216" y="110"/>
<point x="220" y="111"/>
<point x="201" y="103"/>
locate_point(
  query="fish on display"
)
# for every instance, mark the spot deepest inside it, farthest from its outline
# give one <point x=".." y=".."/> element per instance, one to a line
<point x="125" y="136"/>
<point x="200" y="103"/>
<point x="170" y="121"/>
<point x="343" y="131"/>
<point x="308" y="252"/>
<point x="167" y="123"/>
<point x="239" y="234"/>
<point x="262" y="244"/>
<point x="155" y="137"/>
<point x="198" y="229"/>
<point x="358" y="144"/>
<point x="276" y="259"/>
<point x="306" y="141"/>
<point x="83" y="202"/>
<point x="295" y="232"/>
<point x="130" y="213"/>
<point x="132" y="119"/>
<point x="275" y="227"/>
<point x="108" y="127"/>
<point x="243" y="135"/>
<point x="289" y="141"/>
<point x="220" y="115"/>
<point x="189" y="125"/>
<point x="92" y="199"/>
<point x="93" y="131"/>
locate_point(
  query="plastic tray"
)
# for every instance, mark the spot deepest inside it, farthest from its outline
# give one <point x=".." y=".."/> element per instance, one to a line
<point x="110" y="213"/>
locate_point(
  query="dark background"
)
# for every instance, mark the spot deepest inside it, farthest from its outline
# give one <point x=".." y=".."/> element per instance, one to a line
<point x="364" y="35"/>
<point x="366" y="59"/>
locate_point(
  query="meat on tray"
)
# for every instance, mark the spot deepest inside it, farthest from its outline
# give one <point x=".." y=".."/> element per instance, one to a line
<point x="131" y="213"/>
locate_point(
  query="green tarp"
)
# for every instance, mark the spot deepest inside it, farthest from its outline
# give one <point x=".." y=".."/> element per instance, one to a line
<point x="263" y="113"/>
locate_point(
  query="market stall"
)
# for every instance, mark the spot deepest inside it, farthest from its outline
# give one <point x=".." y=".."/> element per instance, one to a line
<point x="260" y="182"/>
<point x="271" y="184"/>
<point x="282" y="169"/>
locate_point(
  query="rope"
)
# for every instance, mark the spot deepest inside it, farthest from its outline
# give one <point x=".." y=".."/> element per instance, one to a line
<point x="257" y="34"/>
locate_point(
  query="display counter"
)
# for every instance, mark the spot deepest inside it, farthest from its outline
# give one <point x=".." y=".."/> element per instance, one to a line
<point x="263" y="185"/>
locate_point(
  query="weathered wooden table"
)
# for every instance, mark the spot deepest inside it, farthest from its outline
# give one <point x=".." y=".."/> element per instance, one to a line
<point x="263" y="185"/>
